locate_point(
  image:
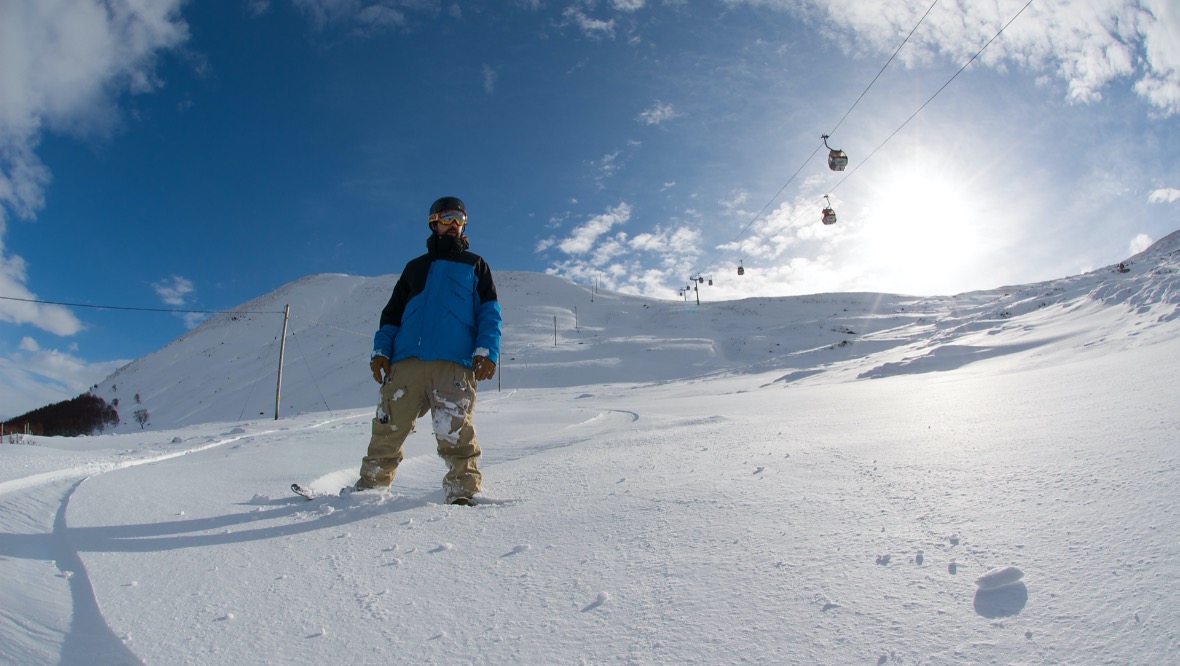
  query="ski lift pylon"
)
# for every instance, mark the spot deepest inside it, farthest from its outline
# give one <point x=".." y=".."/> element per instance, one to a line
<point x="829" y="214"/>
<point x="837" y="159"/>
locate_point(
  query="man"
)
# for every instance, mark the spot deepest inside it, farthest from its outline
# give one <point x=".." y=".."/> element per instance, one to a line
<point x="438" y="335"/>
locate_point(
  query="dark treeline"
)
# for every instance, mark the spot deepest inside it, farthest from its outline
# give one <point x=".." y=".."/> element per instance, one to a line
<point x="86" y="414"/>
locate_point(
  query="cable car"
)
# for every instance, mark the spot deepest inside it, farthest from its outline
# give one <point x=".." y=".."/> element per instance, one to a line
<point x="837" y="159"/>
<point x="741" y="269"/>
<point x="829" y="215"/>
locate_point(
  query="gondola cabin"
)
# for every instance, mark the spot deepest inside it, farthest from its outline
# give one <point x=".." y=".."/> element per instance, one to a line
<point x="741" y="269"/>
<point x="829" y="216"/>
<point x="837" y="160"/>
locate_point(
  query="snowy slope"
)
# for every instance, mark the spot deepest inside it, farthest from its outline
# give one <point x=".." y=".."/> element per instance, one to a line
<point x="812" y="480"/>
<point x="226" y="369"/>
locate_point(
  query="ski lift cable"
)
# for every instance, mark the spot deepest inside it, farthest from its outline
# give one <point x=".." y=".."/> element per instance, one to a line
<point x="744" y="229"/>
<point x="886" y="66"/>
<point x="861" y="163"/>
<point x="757" y="215"/>
<point x="931" y="99"/>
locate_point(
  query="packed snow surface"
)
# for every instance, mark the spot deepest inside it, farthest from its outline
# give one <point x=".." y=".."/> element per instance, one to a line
<point x="988" y="478"/>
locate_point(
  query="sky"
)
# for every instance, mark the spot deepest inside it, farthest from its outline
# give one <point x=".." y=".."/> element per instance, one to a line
<point x="627" y="143"/>
<point x="658" y="489"/>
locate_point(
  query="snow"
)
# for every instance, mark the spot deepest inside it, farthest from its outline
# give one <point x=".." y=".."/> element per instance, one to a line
<point x="835" y="479"/>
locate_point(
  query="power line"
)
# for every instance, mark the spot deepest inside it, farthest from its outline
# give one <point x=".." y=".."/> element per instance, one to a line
<point x="120" y="307"/>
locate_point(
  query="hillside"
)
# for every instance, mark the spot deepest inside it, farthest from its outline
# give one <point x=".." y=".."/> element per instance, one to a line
<point x="558" y="334"/>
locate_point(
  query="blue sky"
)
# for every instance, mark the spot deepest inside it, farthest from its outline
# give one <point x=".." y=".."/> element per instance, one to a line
<point x="194" y="155"/>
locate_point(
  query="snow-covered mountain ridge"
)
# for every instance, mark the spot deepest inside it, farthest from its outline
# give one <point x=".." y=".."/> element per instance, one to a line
<point x="558" y="334"/>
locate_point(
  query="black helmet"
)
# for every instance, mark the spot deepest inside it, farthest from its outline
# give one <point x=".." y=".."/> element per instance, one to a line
<point x="447" y="203"/>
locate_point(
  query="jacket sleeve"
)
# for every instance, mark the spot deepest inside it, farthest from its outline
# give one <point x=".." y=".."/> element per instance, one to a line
<point x="488" y="321"/>
<point x="383" y="341"/>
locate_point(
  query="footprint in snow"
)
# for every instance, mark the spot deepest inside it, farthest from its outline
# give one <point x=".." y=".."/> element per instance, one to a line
<point x="603" y="597"/>
<point x="1000" y="593"/>
<point x="999" y="577"/>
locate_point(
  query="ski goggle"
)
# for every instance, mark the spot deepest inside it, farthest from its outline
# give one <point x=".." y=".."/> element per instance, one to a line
<point x="447" y="217"/>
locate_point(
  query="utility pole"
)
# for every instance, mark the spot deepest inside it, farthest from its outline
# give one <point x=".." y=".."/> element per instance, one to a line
<point x="282" y="348"/>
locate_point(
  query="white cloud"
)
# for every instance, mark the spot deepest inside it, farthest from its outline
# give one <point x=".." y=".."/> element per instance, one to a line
<point x="489" y="79"/>
<point x="52" y="318"/>
<point x="628" y="5"/>
<point x="257" y="7"/>
<point x="370" y="16"/>
<point x="591" y="27"/>
<point x="174" y="289"/>
<point x="62" y="66"/>
<point x="651" y="262"/>
<point x="1164" y="195"/>
<point x="610" y="164"/>
<point x="583" y="238"/>
<point x="1087" y="44"/>
<point x="658" y="114"/>
<point x="1161" y="82"/>
<point x="1140" y="243"/>
<point x="34" y="377"/>
<point x="380" y="17"/>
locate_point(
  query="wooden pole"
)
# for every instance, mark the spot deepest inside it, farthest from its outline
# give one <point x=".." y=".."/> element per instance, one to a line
<point x="282" y="348"/>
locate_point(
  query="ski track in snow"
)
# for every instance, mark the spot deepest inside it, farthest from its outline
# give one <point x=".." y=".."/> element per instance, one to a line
<point x="87" y="639"/>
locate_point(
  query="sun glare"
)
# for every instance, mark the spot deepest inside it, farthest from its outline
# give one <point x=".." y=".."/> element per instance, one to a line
<point x="923" y="231"/>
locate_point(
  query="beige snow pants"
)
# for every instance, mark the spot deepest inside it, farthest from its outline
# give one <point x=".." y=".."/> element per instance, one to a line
<point x="413" y="388"/>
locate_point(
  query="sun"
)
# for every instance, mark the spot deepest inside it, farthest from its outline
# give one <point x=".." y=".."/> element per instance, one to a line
<point x="924" y="229"/>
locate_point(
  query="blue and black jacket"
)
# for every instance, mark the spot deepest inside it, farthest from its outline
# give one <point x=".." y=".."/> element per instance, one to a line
<point x="443" y="307"/>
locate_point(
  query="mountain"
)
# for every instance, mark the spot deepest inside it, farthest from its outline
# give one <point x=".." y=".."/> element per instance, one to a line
<point x="558" y="334"/>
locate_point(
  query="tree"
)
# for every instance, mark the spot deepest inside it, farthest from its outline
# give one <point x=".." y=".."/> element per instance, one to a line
<point x="83" y="415"/>
<point x="141" y="417"/>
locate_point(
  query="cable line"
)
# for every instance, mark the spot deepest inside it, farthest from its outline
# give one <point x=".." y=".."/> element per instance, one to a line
<point x="754" y="219"/>
<point x="742" y="233"/>
<point x="887" y="62"/>
<point x="119" y="307"/>
<point x="931" y="99"/>
<point x="894" y="133"/>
